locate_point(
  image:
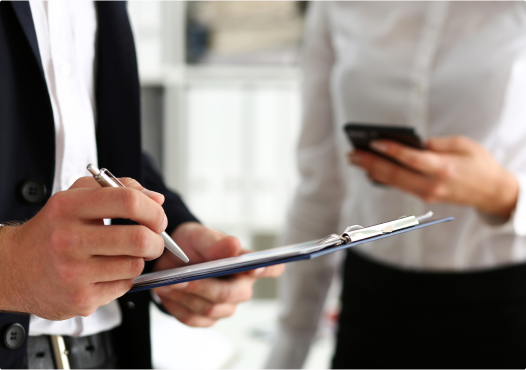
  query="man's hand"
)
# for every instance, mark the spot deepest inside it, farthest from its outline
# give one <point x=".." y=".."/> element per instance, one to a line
<point x="452" y="170"/>
<point x="65" y="262"/>
<point x="203" y="302"/>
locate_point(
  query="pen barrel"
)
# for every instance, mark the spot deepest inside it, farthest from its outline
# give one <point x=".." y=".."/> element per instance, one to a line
<point x="106" y="181"/>
<point x="172" y="247"/>
<point x="104" y="177"/>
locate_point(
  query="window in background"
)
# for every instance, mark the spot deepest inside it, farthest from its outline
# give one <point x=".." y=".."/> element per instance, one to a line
<point x="244" y="32"/>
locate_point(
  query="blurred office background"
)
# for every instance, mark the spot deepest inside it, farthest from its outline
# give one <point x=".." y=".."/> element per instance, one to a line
<point x="221" y="115"/>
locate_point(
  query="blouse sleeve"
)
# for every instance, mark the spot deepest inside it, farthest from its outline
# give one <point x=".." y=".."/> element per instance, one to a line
<point x="316" y="205"/>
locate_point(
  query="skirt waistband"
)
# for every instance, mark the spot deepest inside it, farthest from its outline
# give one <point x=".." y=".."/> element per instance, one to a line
<point x="378" y="279"/>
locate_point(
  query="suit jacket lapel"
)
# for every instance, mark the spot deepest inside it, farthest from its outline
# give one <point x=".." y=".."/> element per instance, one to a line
<point x="117" y="93"/>
<point x="23" y="12"/>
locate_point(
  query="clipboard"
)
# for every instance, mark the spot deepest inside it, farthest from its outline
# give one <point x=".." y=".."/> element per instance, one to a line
<point x="352" y="236"/>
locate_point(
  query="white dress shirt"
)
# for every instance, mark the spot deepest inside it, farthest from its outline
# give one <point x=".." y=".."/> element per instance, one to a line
<point x="445" y="68"/>
<point x="66" y="33"/>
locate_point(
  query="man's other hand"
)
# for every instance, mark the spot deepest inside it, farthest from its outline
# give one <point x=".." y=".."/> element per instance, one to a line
<point x="202" y="302"/>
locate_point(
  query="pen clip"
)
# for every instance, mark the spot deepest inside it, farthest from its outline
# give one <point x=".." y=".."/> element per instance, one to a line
<point x="357" y="232"/>
<point x="110" y="175"/>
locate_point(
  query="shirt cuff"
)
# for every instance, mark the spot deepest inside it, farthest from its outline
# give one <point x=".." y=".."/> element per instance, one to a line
<point x="518" y="218"/>
<point x="516" y="223"/>
<point x="155" y="297"/>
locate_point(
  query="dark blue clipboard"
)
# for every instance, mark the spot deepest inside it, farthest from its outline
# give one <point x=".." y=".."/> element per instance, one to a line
<point x="289" y="259"/>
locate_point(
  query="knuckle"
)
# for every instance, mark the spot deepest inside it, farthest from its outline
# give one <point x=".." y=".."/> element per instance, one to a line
<point x="65" y="273"/>
<point x="118" y="290"/>
<point x="83" y="182"/>
<point x="369" y="162"/>
<point x="206" y="309"/>
<point x="131" y="183"/>
<point x="188" y="319"/>
<point x="447" y="172"/>
<point x="395" y="150"/>
<point x="428" y="198"/>
<point x="194" y="286"/>
<point x="125" y="286"/>
<point x="224" y="296"/>
<point x="56" y="205"/>
<point x="392" y="175"/>
<point x="459" y="141"/>
<point x="434" y="194"/>
<point x="80" y="301"/>
<point x="136" y="265"/>
<point x="141" y="239"/>
<point x="130" y="200"/>
<point x="413" y="161"/>
<point x="60" y="241"/>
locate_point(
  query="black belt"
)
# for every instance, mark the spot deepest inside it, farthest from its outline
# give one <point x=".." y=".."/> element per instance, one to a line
<point x="89" y="352"/>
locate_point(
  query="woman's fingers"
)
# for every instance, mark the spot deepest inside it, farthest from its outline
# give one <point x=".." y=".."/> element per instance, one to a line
<point x="422" y="161"/>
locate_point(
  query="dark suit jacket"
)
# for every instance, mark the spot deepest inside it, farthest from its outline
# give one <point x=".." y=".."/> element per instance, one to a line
<point x="27" y="146"/>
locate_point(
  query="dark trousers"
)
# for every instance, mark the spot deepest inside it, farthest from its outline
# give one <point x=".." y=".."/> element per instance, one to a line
<point x="394" y="318"/>
<point x="90" y="352"/>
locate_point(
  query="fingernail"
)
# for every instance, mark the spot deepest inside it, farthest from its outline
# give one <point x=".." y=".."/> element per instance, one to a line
<point x="165" y="223"/>
<point x="150" y="193"/>
<point x="259" y="271"/>
<point x="379" y="146"/>
<point x="355" y="158"/>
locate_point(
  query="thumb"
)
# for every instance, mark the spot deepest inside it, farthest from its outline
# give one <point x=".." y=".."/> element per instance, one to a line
<point x="229" y="246"/>
<point x="132" y="183"/>
<point x="451" y="144"/>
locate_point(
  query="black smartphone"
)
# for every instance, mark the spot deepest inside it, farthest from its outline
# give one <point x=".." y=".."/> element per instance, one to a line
<point x="361" y="135"/>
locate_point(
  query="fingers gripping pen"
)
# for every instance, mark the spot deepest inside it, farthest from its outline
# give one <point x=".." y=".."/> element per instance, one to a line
<point x="106" y="179"/>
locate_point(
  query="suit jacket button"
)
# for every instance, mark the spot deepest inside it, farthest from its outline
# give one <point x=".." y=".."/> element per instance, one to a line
<point x="33" y="191"/>
<point x="14" y="336"/>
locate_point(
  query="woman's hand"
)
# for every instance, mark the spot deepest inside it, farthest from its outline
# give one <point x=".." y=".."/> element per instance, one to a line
<point x="452" y="169"/>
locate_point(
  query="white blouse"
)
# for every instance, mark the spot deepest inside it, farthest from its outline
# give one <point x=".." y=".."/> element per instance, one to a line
<point x="446" y="68"/>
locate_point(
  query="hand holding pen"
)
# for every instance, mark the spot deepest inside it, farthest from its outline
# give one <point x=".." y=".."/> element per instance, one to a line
<point x="65" y="262"/>
<point x="106" y="179"/>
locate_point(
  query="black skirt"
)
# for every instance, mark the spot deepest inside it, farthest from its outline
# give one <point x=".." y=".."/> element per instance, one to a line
<point x="394" y="318"/>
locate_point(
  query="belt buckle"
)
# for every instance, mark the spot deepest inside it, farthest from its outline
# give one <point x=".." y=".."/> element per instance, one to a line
<point x="60" y="353"/>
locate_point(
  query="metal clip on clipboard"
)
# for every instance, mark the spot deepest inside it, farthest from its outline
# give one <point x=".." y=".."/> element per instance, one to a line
<point x="357" y="232"/>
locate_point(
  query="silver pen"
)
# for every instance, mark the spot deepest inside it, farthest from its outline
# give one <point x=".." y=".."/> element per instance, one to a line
<point x="106" y="179"/>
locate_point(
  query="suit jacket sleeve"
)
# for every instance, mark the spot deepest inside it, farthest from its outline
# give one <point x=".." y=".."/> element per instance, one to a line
<point x="174" y="207"/>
